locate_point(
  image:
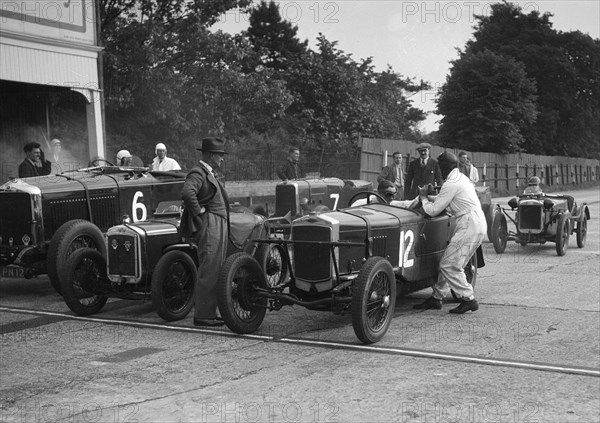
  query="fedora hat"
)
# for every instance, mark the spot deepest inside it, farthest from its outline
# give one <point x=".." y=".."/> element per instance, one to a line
<point x="213" y="145"/>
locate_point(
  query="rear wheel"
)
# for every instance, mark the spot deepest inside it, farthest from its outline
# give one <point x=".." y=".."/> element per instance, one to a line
<point x="82" y="273"/>
<point x="499" y="231"/>
<point x="71" y="236"/>
<point x="562" y="235"/>
<point x="581" y="231"/>
<point x="488" y="211"/>
<point x="241" y="309"/>
<point x="373" y="300"/>
<point x="274" y="262"/>
<point x="173" y="284"/>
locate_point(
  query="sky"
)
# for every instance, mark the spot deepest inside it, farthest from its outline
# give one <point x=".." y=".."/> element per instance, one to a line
<point x="418" y="39"/>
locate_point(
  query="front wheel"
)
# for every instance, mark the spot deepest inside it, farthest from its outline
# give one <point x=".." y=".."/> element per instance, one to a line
<point x="173" y="285"/>
<point x="83" y="272"/>
<point x="373" y="300"/>
<point x="242" y="310"/>
<point x="581" y="231"/>
<point x="273" y="259"/>
<point x="562" y="235"/>
<point x="499" y="231"/>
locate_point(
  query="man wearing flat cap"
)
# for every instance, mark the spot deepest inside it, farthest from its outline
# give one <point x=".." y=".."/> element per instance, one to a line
<point x="204" y="219"/>
<point x="161" y="162"/>
<point x="421" y="171"/>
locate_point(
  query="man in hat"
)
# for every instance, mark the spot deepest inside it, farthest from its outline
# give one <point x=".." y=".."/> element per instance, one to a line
<point x="394" y="174"/>
<point x="204" y="219"/>
<point x="161" y="161"/>
<point x="62" y="160"/>
<point x="35" y="163"/>
<point x="459" y="198"/>
<point x="421" y="172"/>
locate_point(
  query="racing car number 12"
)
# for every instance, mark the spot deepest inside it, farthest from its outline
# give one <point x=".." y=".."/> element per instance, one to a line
<point x="407" y="239"/>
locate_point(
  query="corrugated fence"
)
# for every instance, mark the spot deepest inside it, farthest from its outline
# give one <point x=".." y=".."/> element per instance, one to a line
<point x="503" y="173"/>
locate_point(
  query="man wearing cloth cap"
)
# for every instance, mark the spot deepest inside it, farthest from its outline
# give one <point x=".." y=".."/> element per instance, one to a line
<point x="421" y="172"/>
<point x="204" y="219"/>
<point x="459" y="198"/>
<point x="161" y="162"/>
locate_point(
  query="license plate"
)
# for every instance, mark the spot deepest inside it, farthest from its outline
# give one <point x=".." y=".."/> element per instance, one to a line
<point x="12" y="272"/>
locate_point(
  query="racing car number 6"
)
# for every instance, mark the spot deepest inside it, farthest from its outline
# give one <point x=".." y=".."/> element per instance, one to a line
<point x="406" y="242"/>
<point x="135" y="206"/>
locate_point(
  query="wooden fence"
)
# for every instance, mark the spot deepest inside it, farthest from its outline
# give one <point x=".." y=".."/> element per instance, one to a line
<point x="503" y="173"/>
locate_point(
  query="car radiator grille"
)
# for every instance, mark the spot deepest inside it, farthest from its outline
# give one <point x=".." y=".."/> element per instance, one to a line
<point x="530" y="217"/>
<point x="122" y="253"/>
<point x="312" y="262"/>
<point x="15" y="217"/>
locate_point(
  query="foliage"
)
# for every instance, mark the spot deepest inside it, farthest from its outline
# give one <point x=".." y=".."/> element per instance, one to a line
<point x="566" y="71"/>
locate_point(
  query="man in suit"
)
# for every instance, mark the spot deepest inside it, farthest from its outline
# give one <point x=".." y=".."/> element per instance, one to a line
<point x="421" y="171"/>
<point x="394" y="174"/>
<point x="291" y="169"/>
<point x="466" y="167"/>
<point x="204" y="220"/>
<point x="35" y="164"/>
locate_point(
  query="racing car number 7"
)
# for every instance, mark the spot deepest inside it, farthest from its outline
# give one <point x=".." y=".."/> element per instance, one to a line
<point x="406" y="242"/>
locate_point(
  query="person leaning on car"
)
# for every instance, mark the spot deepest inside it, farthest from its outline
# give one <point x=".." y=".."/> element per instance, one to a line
<point x="394" y="173"/>
<point x="35" y="164"/>
<point x="421" y="172"/>
<point x="459" y="198"/>
<point x="204" y="219"/>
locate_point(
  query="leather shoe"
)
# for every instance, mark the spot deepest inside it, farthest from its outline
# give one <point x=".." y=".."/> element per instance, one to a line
<point x="209" y="322"/>
<point x="429" y="303"/>
<point x="466" y="305"/>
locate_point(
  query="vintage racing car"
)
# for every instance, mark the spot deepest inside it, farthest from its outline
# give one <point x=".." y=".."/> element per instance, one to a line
<point x="539" y="218"/>
<point x="356" y="258"/>
<point x="43" y="219"/>
<point x="149" y="260"/>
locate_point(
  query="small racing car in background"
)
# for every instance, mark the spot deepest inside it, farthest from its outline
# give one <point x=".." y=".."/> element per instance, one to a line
<point x="354" y="259"/>
<point x="540" y="218"/>
<point x="150" y="261"/>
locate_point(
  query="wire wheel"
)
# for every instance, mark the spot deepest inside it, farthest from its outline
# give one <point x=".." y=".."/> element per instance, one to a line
<point x="581" y="231"/>
<point x="562" y="235"/>
<point x="84" y="271"/>
<point x="274" y="261"/>
<point x="373" y="300"/>
<point x="242" y="310"/>
<point x="173" y="284"/>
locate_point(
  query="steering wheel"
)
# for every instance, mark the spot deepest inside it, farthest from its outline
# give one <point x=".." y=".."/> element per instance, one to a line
<point x="368" y="195"/>
<point x="96" y="162"/>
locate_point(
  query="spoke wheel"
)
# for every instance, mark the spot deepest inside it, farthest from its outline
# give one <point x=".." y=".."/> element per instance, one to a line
<point x="173" y="284"/>
<point x="274" y="261"/>
<point x="499" y="231"/>
<point x="241" y="309"/>
<point x="562" y="235"/>
<point x="581" y="231"/>
<point x="83" y="271"/>
<point x="373" y="300"/>
<point x="71" y="236"/>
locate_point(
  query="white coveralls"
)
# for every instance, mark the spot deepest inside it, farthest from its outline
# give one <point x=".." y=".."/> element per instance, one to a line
<point x="458" y="196"/>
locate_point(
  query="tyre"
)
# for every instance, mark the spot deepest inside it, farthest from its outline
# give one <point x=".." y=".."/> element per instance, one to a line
<point x="173" y="285"/>
<point x="488" y="211"/>
<point x="241" y="309"/>
<point x="373" y="300"/>
<point x="82" y="272"/>
<point x="562" y="235"/>
<point x="72" y="235"/>
<point x="471" y="273"/>
<point x="581" y="231"/>
<point x="273" y="259"/>
<point x="499" y="231"/>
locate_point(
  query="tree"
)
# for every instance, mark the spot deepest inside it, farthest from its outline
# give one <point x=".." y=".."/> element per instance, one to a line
<point x="486" y="101"/>
<point x="565" y="68"/>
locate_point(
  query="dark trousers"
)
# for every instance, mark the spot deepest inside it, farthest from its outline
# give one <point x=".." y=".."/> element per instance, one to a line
<point x="212" y="248"/>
